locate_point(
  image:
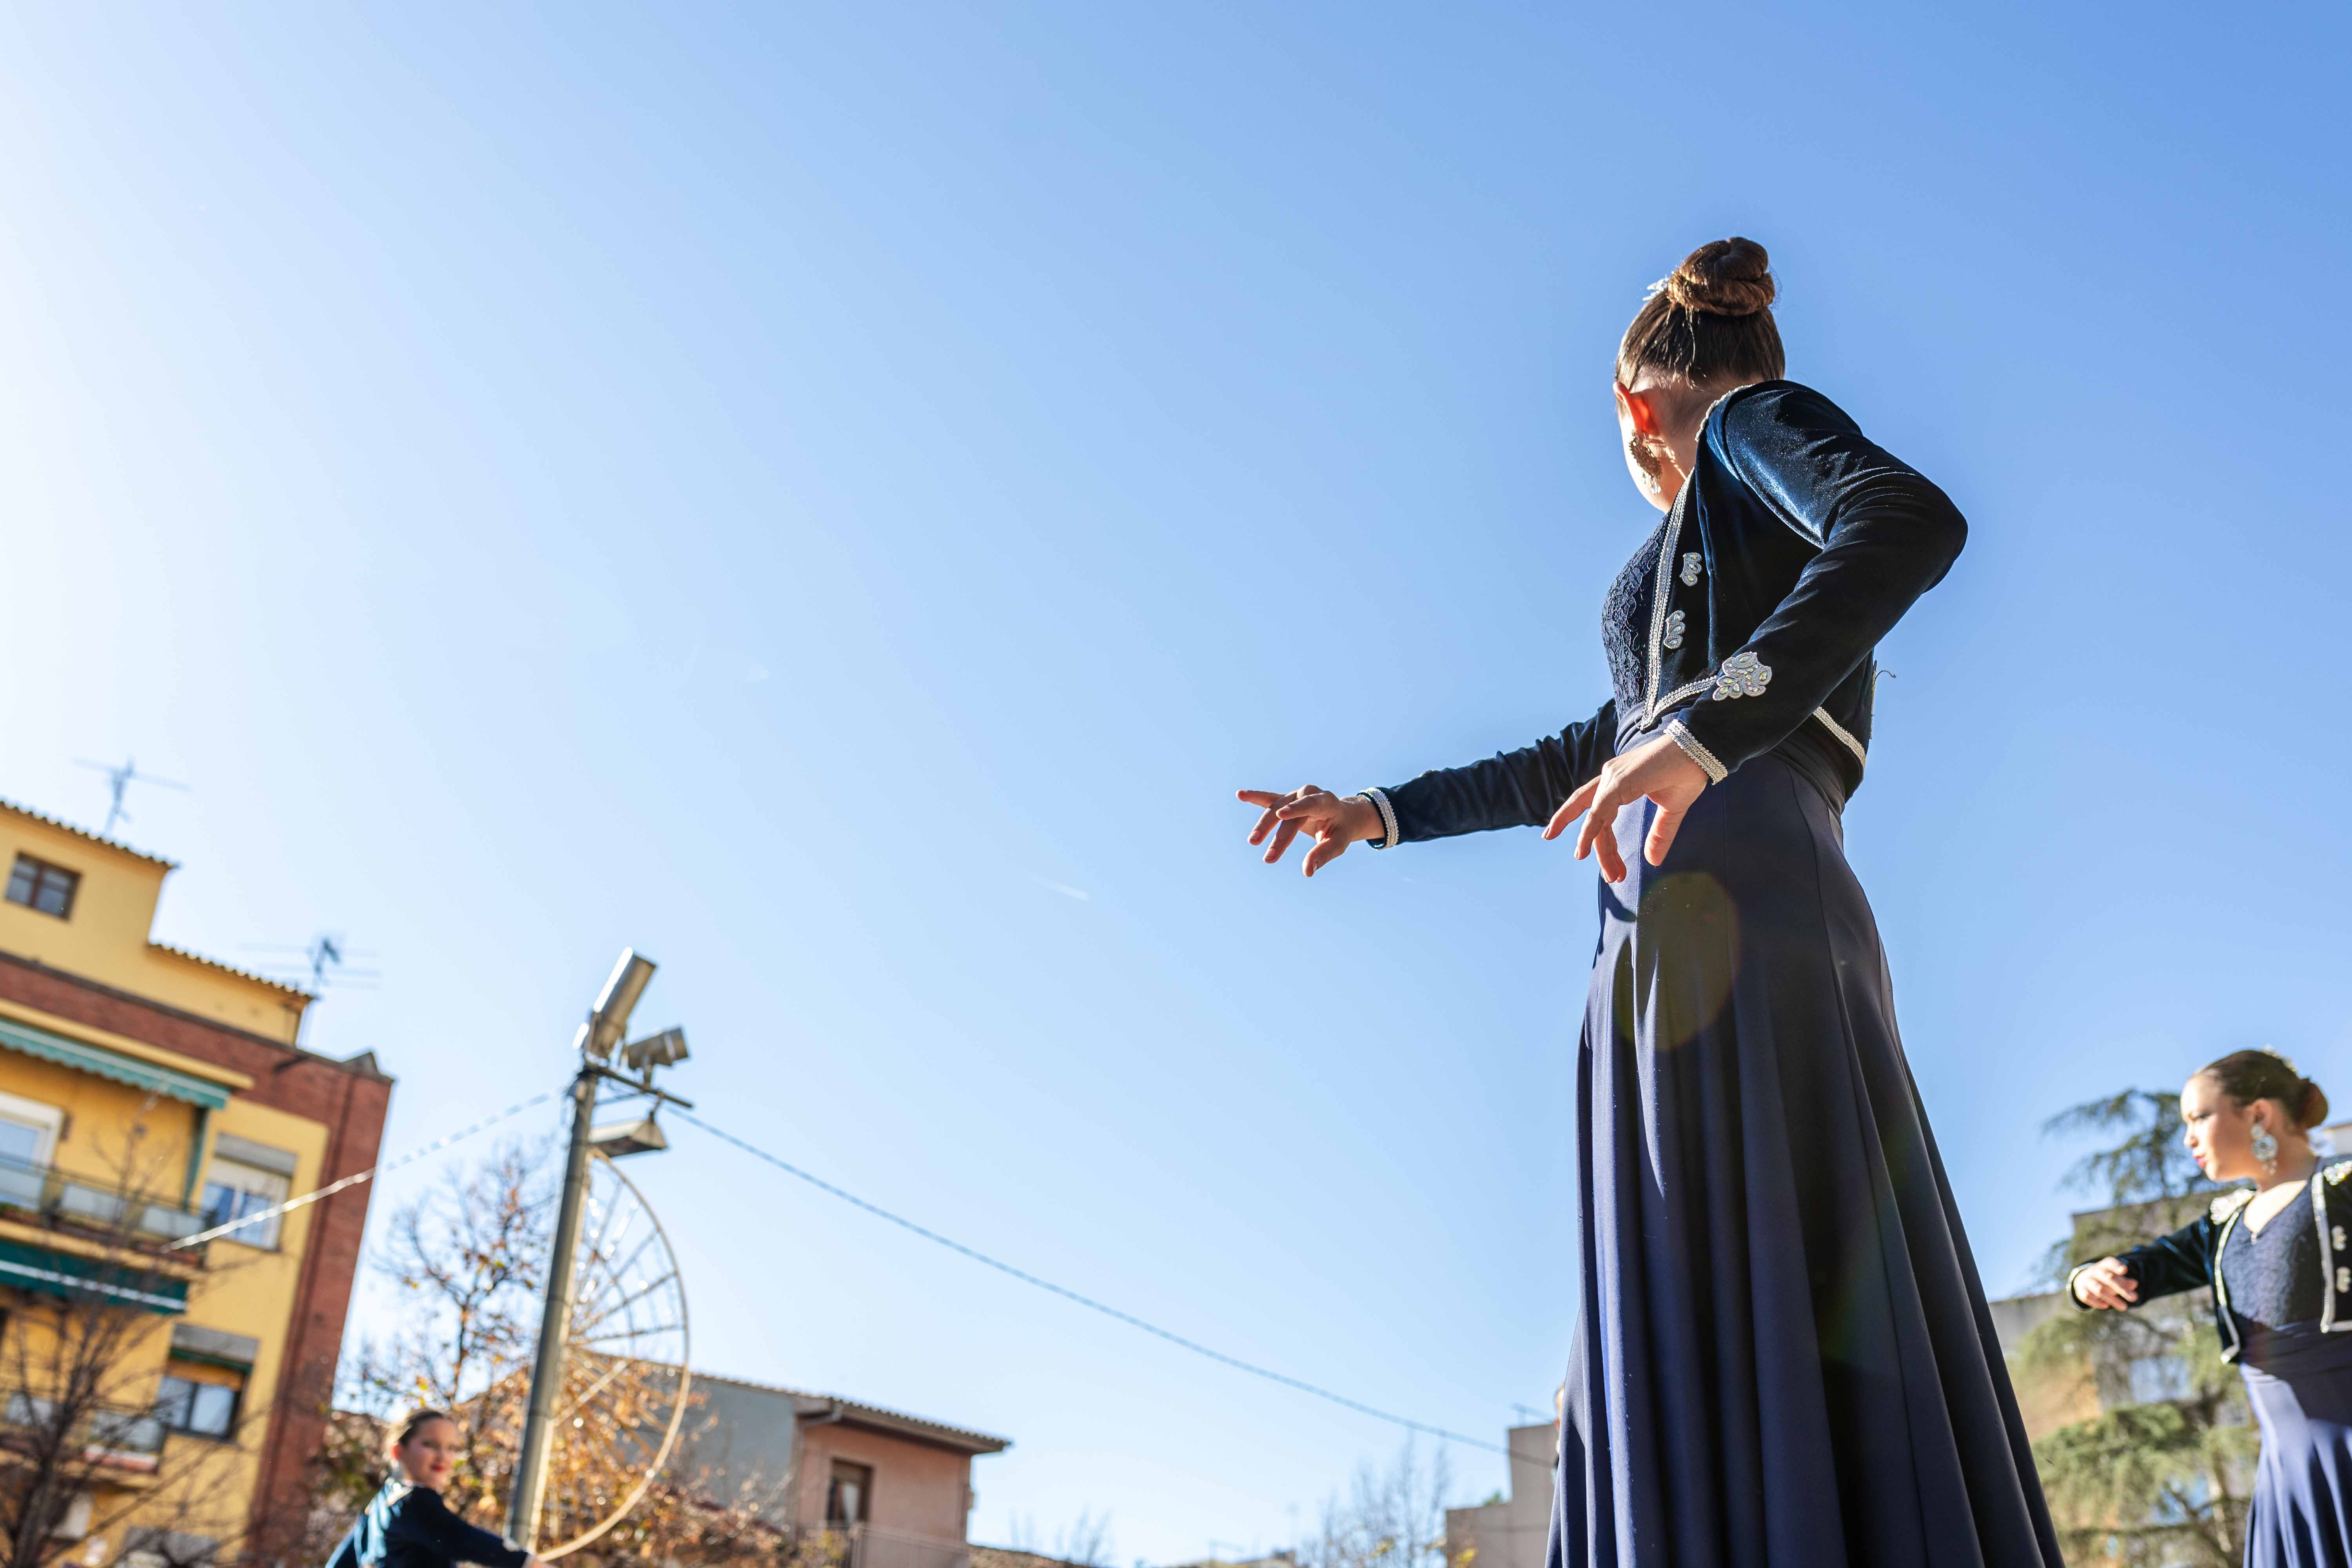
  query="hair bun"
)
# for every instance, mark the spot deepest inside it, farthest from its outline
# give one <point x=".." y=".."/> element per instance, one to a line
<point x="1724" y="278"/>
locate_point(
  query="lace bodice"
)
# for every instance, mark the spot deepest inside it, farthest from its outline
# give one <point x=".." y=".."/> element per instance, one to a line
<point x="2273" y="1276"/>
<point x="1625" y="623"/>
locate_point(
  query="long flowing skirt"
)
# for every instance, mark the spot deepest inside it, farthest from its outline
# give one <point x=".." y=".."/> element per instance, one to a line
<point x="1782" y="1357"/>
<point x="2301" y="1396"/>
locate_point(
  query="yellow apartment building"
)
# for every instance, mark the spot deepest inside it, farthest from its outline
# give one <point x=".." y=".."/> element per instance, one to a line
<point x="148" y="1095"/>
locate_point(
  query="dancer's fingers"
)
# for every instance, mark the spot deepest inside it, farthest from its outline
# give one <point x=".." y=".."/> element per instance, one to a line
<point x="1271" y="800"/>
<point x="1307" y="802"/>
<point x="1283" y="834"/>
<point x="1328" y="849"/>
<point x="1602" y="816"/>
<point x="1571" y="808"/>
<point x="1598" y="836"/>
<point x="1663" y="829"/>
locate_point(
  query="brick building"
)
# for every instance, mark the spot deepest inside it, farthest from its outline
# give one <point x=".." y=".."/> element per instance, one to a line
<point x="112" y="1045"/>
<point x="896" y="1489"/>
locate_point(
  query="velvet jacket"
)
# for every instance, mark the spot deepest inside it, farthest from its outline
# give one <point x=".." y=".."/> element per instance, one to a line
<point x="410" y="1527"/>
<point x="1795" y="544"/>
<point x="2190" y="1257"/>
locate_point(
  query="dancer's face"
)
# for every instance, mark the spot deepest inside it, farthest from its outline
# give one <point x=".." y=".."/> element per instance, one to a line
<point x="2219" y="1131"/>
<point x="427" y="1457"/>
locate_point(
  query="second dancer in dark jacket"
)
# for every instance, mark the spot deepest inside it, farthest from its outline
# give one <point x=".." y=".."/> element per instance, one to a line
<point x="2275" y="1257"/>
<point x="406" y="1525"/>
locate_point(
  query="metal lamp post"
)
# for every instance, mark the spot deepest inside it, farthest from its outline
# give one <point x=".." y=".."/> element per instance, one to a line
<point x="597" y="1040"/>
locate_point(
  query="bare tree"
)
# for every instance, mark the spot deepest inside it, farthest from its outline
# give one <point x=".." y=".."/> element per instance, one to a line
<point x="469" y="1261"/>
<point x="1086" y="1544"/>
<point x="1387" y="1519"/>
<point x="82" y="1341"/>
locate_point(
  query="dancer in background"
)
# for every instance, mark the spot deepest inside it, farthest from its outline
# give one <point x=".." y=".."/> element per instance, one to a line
<point x="407" y="1525"/>
<point x="1782" y="1357"/>
<point x="2276" y="1258"/>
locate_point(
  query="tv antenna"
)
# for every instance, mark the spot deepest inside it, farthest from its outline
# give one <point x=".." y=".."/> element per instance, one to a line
<point x="327" y="958"/>
<point x="118" y="779"/>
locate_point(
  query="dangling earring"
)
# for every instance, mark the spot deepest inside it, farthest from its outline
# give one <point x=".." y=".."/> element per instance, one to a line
<point x="2266" y="1149"/>
<point x="1653" y="458"/>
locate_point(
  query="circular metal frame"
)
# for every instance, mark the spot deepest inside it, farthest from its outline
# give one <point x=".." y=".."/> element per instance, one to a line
<point x="616" y="1298"/>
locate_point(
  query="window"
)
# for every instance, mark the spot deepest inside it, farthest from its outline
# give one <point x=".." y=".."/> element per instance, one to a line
<point x="851" y="1497"/>
<point x="37" y="885"/>
<point x="198" y="1399"/>
<point x="234" y="1189"/>
<point x="28" y="1135"/>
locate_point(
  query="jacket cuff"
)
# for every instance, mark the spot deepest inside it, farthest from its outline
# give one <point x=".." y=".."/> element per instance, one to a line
<point x="1388" y="817"/>
<point x="1716" y="772"/>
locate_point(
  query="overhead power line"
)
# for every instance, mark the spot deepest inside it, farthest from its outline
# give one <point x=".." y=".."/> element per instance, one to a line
<point x="1129" y="1318"/>
<point x="356" y="1177"/>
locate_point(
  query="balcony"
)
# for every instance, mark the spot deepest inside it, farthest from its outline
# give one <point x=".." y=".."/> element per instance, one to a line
<point x="51" y="1197"/>
<point x="129" y="1440"/>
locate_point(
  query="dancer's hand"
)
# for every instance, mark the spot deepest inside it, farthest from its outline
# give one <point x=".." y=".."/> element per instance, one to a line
<point x="2106" y="1283"/>
<point x="1334" y="823"/>
<point x="1658" y="769"/>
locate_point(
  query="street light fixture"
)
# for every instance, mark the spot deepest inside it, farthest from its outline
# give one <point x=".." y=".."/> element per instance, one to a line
<point x="606" y="1027"/>
<point x="664" y="1049"/>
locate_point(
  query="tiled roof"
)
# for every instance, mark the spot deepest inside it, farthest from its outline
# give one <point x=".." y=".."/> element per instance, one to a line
<point x="958" y="1434"/>
<point x="114" y="843"/>
<point x="215" y="964"/>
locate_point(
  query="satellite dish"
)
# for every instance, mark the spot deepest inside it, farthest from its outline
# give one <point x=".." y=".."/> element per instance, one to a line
<point x="626" y="1384"/>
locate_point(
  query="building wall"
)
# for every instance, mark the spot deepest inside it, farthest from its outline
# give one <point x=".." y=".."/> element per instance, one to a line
<point x="96" y="979"/>
<point x="1511" y="1534"/>
<point x="919" y="1488"/>
<point x="107" y="937"/>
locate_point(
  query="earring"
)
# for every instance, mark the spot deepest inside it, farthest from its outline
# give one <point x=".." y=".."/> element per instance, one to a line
<point x="2266" y="1149"/>
<point x="1652" y="457"/>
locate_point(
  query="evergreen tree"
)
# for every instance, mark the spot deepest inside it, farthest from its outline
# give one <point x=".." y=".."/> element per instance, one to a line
<point x="2160" y="1475"/>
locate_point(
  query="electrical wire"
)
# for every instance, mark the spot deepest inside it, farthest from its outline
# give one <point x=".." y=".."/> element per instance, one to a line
<point x="356" y="1177"/>
<point x="1068" y="1294"/>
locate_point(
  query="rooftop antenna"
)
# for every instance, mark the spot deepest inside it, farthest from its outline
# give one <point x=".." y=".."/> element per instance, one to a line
<point x="118" y="779"/>
<point x="326" y="957"/>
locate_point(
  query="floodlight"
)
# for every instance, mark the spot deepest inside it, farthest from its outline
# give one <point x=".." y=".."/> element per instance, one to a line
<point x="664" y="1049"/>
<point x="617" y="1140"/>
<point x="610" y="1020"/>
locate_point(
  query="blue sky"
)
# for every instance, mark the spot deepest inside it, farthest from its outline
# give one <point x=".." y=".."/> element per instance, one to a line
<point x="839" y="496"/>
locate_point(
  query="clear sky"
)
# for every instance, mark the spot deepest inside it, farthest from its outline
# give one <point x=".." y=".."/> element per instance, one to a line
<point x="839" y="496"/>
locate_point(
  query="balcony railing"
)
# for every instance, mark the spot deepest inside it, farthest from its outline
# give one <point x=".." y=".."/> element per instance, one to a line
<point x="51" y="1194"/>
<point x="122" y="1440"/>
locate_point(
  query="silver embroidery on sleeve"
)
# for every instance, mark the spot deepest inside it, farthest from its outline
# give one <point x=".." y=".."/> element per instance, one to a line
<point x="1674" y="635"/>
<point x="1690" y="569"/>
<point x="1743" y="675"/>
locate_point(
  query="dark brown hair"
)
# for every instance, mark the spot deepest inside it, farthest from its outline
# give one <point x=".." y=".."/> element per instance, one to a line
<point x="2249" y="1076"/>
<point x="416" y="1422"/>
<point x="1708" y="322"/>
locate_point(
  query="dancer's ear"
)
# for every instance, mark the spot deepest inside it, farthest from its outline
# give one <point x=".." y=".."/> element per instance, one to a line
<point x="1640" y="410"/>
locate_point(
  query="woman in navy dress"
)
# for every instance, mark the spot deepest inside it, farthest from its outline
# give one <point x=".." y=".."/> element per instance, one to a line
<point x="406" y="1525"/>
<point x="2274" y="1256"/>
<point x="1782" y="1357"/>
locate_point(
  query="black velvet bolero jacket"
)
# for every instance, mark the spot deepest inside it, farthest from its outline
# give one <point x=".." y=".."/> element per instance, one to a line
<point x="1795" y="544"/>
<point x="410" y="1527"/>
<point x="2190" y="1257"/>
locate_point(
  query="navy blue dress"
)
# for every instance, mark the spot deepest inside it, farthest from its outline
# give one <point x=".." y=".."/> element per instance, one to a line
<point x="1782" y="1356"/>
<point x="410" y="1527"/>
<point x="2299" y="1382"/>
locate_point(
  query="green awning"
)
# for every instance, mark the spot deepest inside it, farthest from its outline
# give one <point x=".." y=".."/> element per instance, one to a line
<point x="65" y="1274"/>
<point x="115" y="1065"/>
